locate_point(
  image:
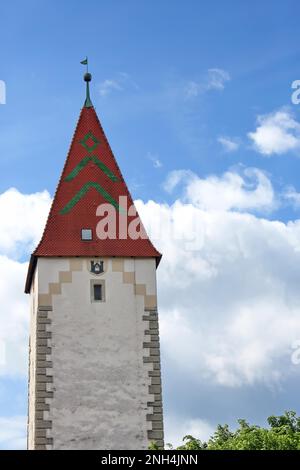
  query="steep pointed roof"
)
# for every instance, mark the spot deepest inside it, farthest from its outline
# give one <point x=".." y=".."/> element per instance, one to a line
<point x="90" y="177"/>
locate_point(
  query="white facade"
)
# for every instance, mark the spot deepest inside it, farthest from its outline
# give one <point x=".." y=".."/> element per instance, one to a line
<point x="94" y="365"/>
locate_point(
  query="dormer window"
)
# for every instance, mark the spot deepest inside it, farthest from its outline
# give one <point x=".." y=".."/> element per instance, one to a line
<point x="86" y="234"/>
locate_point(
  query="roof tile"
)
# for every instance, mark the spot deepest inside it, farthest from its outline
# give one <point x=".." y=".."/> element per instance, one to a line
<point x="90" y="176"/>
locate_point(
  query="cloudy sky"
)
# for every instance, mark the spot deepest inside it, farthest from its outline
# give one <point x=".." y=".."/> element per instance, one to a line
<point x="195" y="99"/>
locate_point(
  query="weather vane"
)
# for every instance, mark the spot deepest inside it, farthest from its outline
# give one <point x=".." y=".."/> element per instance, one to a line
<point x="85" y="62"/>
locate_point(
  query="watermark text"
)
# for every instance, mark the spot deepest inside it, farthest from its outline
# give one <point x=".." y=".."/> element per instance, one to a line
<point x="2" y="92"/>
<point x="296" y="94"/>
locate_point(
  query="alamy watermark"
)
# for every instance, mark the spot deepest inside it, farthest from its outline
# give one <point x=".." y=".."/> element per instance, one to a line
<point x="2" y="92"/>
<point x="2" y="353"/>
<point x="124" y="223"/>
<point x="295" y="98"/>
<point x="295" y="357"/>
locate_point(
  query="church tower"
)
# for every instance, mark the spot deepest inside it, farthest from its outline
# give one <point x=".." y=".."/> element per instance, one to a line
<point x="94" y="359"/>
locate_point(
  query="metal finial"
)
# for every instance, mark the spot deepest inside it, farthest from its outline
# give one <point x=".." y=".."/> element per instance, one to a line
<point x="87" y="78"/>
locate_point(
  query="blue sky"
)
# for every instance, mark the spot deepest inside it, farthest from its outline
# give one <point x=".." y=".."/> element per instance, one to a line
<point x="177" y="86"/>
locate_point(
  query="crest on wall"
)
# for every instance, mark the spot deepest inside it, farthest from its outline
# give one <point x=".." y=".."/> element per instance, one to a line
<point x="97" y="267"/>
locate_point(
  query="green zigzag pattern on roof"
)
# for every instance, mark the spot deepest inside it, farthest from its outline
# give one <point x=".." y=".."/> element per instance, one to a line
<point x="99" y="164"/>
<point x="82" y="192"/>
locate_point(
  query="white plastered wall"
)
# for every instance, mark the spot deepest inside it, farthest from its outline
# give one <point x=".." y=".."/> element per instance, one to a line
<point x="32" y="362"/>
<point x="100" y="382"/>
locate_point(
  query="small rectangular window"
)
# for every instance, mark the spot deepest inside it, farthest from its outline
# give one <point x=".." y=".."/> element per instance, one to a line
<point x="86" y="234"/>
<point x="97" y="291"/>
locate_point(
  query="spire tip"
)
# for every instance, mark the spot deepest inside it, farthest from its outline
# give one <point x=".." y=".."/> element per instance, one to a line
<point x="87" y="78"/>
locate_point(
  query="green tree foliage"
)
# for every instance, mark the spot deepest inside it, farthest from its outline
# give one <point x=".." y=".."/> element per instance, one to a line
<point x="283" y="433"/>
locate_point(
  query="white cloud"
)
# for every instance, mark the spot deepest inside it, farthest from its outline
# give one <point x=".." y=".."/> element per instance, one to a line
<point x="176" y="429"/>
<point x="175" y="177"/>
<point x="118" y="83"/>
<point x="215" y="80"/>
<point x="13" y="432"/>
<point x="14" y="317"/>
<point x="231" y="307"/>
<point x="193" y="89"/>
<point x="276" y="133"/>
<point x="229" y="144"/>
<point x="22" y="217"/>
<point x="291" y="195"/>
<point x="157" y="163"/>
<point x="250" y="191"/>
<point x="155" y="160"/>
<point x="109" y="85"/>
<point x="230" y="303"/>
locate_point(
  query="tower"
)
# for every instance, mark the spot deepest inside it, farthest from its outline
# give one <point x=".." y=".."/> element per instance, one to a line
<point x="94" y="357"/>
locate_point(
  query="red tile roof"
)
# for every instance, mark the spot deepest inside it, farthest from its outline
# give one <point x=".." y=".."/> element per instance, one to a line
<point x="90" y="176"/>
